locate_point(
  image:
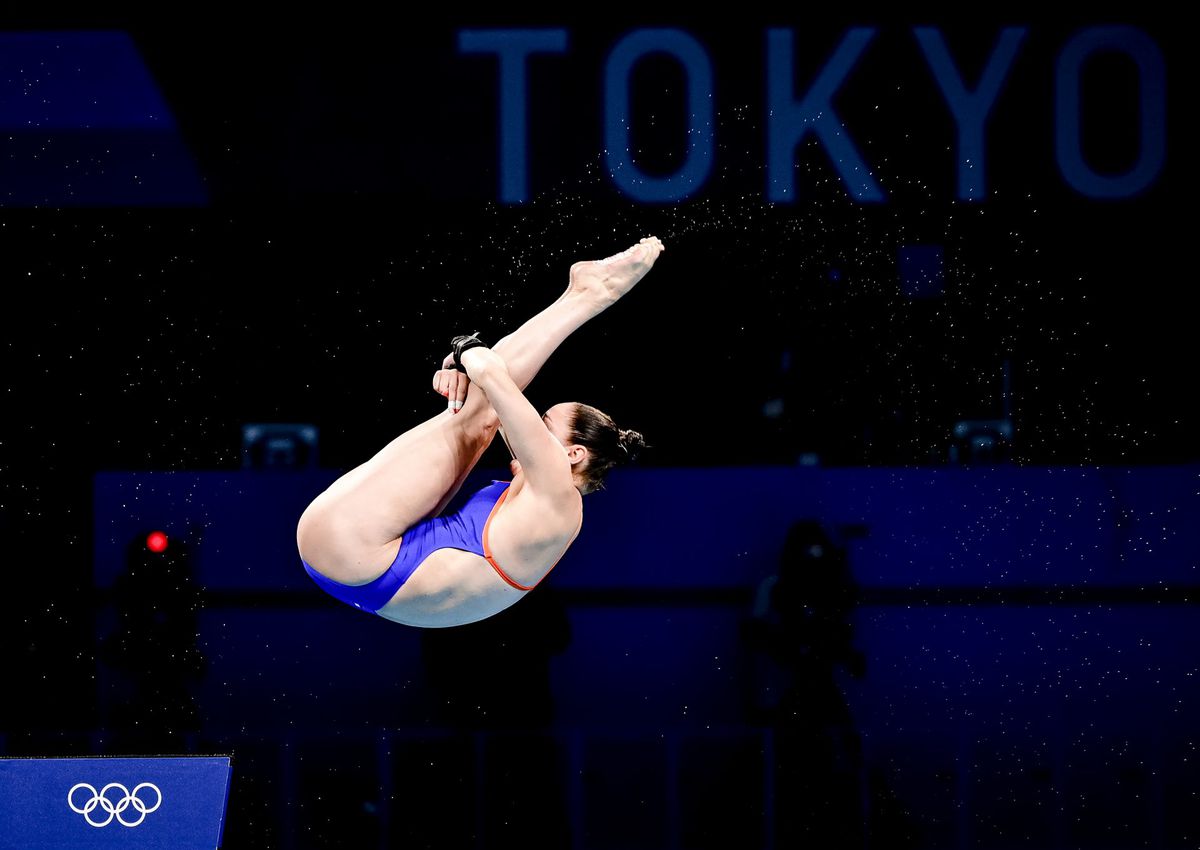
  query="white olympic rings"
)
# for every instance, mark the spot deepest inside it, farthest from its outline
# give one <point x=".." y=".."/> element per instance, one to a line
<point x="114" y="809"/>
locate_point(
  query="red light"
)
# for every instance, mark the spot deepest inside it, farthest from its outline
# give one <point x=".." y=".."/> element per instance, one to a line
<point x="156" y="541"/>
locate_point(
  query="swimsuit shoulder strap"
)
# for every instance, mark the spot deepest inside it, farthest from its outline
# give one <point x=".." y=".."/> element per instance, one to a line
<point x="487" y="550"/>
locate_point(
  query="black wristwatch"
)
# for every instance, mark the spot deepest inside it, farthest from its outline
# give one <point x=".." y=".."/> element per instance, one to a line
<point x="461" y="344"/>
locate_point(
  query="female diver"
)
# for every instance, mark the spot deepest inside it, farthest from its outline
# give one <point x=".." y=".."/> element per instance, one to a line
<point x="374" y="538"/>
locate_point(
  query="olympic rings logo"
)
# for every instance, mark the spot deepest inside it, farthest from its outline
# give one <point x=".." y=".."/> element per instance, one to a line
<point x="114" y="809"/>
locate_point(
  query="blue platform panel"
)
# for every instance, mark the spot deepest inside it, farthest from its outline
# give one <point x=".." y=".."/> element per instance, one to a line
<point x="175" y="803"/>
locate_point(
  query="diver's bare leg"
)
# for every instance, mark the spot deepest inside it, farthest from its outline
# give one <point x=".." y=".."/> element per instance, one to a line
<point x="594" y="286"/>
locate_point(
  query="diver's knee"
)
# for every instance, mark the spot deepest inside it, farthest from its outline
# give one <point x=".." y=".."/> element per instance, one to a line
<point x="479" y="417"/>
<point x="485" y="425"/>
<point x="491" y="421"/>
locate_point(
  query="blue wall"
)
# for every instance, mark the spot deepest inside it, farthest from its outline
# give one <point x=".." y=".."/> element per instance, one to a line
<point x="1062" y="721"/>
<point x="724" y="527"/>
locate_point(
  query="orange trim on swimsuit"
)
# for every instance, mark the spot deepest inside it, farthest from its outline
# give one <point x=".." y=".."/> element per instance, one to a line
<point x="487" y="550"/>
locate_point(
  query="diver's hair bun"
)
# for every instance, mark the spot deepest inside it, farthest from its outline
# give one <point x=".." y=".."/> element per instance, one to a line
<point x="631" y="443"/>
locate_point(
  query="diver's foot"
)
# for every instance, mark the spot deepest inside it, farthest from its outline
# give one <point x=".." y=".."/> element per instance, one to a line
<point x="607" y="280"/>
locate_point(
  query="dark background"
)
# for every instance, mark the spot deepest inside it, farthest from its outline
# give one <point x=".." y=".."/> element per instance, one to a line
<point x="352" y="227"/>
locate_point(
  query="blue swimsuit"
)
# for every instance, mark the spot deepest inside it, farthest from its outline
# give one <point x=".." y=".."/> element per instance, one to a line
<point x="465" y="529"/>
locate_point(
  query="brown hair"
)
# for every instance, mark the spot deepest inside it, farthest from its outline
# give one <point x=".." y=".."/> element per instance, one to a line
<point x="607" y="444"/>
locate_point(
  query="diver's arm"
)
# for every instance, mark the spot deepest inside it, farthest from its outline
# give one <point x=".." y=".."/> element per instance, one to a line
<point x="540" y="454"/>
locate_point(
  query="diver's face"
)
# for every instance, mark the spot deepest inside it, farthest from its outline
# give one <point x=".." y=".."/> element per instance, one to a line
<point x="557" y="419"/>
